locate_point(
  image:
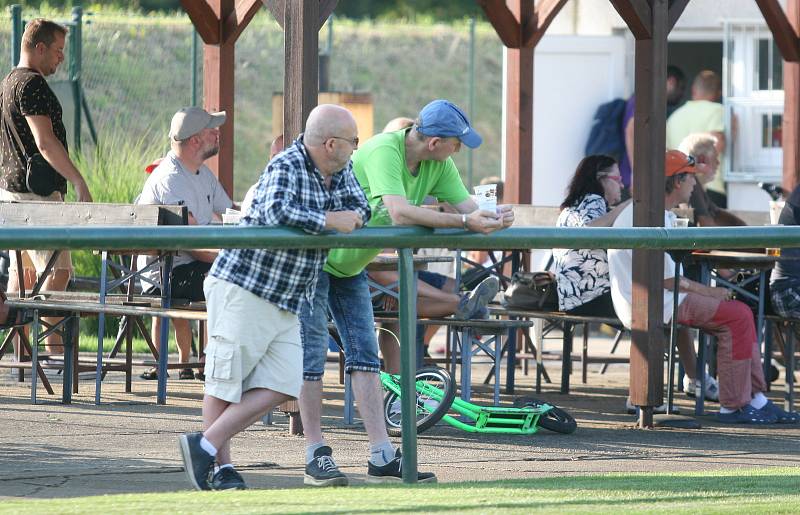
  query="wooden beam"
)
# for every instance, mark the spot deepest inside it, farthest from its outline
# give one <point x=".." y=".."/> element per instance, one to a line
<point x="204" y="19"/>
<point x="647" y="342"/>
<point x="277" y="8"/>
<point x="301" y="79"/>
<point x="676" y="8"/>
<point x="503" y="20"/>
<point x="218" y="94"/>
<point x="784" y="34"/>
<point x="544" y="14"/>
<point x="238" y="20"/>
<point x="636" y="15"/>
<point x="326" y="8"/>
<point x="791" y="109"/>
<point x="519" y="126"/>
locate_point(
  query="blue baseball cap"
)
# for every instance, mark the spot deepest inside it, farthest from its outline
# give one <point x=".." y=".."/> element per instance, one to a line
<point x="444" y="119"/>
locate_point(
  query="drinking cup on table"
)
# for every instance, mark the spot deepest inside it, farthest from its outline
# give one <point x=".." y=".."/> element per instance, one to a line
<point x="231" y="218"/>
<point x="775" y="208"/>
<point x="681" y="223"/>
<point x="486" y="197"/>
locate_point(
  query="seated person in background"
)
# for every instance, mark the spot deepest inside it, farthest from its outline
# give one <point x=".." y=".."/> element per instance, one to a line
<point x="582" y="274"/>
<point x="181" y="178"/>
<point x="741" y="377"/>
<point x="275" y="148"/>
<point x="784" y="282"/>
<point x="703" y="147"/>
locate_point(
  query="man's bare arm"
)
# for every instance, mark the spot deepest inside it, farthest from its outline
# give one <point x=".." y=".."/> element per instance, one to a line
<point x="403" y="213"/>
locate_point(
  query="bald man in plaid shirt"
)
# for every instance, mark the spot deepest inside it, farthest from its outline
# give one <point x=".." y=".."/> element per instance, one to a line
<point x="254" y="359"/>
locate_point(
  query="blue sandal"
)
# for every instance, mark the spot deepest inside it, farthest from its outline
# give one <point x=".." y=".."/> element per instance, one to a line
<point x="783" y="417"/>
<point x="747" y="415"/>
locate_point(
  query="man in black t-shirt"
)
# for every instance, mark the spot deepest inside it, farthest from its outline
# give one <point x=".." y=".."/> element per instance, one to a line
<point x="31" y="116"/>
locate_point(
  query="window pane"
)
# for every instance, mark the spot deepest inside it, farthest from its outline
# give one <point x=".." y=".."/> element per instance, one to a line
<point x="777" y="68"/>
<point x="771" y="130"/>
<point x="762" y="62"/>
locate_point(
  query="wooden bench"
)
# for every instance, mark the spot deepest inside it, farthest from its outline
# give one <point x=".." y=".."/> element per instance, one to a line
<point x="32" y="213"/>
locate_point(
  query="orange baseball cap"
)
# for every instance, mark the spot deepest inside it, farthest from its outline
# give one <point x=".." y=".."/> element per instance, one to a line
<point x="677" y="162"/>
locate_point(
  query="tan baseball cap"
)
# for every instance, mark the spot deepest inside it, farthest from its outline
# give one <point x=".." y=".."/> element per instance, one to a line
<point x="190" y="120"/>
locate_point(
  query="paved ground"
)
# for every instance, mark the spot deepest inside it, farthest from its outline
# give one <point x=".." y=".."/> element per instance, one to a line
<point x="128" y="444"/>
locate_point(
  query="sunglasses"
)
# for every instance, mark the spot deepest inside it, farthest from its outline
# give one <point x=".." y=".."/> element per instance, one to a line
<point x="616" y="178"/>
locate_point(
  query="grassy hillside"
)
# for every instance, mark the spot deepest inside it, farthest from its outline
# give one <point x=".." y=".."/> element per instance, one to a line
<point x="136" y="73"/>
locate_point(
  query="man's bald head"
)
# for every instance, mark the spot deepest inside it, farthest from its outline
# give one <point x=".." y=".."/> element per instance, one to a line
<point x="327" y="121"/>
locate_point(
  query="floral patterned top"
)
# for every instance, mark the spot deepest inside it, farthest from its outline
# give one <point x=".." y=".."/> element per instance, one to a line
<point x="581" y="274"/>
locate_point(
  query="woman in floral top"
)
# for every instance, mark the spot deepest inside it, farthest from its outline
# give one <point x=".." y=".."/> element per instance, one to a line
<point x="582" y="274"/>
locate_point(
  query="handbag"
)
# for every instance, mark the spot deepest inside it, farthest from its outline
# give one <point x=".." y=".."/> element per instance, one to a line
<point x="532" y="290"/>
<point x="40" y="176"/>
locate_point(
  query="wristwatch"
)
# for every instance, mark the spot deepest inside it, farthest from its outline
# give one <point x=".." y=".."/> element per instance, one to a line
<point x="464" y="220"/>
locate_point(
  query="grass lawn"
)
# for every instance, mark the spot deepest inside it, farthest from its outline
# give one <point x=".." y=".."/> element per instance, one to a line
<point x="773" y="490"/>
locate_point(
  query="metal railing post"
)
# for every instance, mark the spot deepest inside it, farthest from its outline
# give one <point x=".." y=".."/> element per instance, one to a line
<point x="408" y="364"/>
<point x="16" y="33"/>
<point x="75" y="56"/>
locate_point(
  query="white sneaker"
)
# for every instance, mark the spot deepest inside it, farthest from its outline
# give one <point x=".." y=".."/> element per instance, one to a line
<point x="658" y="410"/>
<point x="712" y="388"/>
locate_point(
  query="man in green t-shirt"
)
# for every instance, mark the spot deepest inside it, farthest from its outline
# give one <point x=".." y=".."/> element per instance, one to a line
<point x="397" y="170"/>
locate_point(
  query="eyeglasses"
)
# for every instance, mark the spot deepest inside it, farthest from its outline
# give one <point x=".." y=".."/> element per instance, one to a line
<point x="690" y="161"/>
<point x="353" y="141"/>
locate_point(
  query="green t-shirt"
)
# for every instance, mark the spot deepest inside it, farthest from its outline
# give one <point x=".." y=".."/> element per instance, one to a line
<point x="380" y="167"/>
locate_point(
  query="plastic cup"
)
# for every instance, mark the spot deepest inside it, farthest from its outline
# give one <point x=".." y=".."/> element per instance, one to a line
<point x="486" y="197"/>
<point x="231" y="218"/>
<point x="681" y="223"/>
<point x="775" y="208"/>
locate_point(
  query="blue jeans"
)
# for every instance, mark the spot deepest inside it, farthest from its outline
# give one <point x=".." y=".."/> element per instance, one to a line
<point x="351" y="308"/>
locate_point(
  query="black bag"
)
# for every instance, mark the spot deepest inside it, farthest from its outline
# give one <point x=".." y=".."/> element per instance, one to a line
<point x="40" y="177"/>
<point x="532" y="290"/>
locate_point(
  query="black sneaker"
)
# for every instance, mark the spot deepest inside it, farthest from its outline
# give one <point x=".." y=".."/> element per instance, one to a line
<point x="322" y="471"/>
<point x="392" y="472"/>
<point x="196" y="462"/>
<point x="227" y="478"/>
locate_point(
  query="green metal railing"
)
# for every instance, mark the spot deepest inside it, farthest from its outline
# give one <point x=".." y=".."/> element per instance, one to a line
<point x="404" y="239"/>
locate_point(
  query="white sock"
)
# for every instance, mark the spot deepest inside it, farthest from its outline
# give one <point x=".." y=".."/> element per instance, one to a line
<point x="217" y="468"/>
<point x="382" y="453"/>
<point x="723" y="409"/>
<point x="208" y="446"/>
<point x="759" y="401"/>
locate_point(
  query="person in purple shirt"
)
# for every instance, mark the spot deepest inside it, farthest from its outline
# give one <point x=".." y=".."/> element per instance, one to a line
<point x="676" y="87"/>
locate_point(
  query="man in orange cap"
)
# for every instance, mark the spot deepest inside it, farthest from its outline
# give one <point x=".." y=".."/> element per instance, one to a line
<point x="741" y="378"/>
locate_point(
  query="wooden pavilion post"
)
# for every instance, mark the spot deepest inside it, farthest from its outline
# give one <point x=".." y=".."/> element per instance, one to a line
<point x="301" y="21"/>
<point x="520" y="26"/>
<point x="219" y="24"/>
<point x="650" y="23"/>
<point x="785" y="29"/>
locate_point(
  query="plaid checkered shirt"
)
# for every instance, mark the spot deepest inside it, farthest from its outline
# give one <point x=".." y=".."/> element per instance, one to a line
<point x="290" y="192"/>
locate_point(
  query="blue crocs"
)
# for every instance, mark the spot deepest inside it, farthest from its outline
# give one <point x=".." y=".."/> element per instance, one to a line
<point x="747" y="415"/>
<point x="783" y="417"/>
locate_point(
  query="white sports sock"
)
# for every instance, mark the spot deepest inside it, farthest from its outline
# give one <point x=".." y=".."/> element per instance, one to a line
<point x="208" y="446"/>
<point x="759" y="401"/>
<point x="382" y="453"/>
<point x="217" y="468"/>
<point x="723" y="409"/>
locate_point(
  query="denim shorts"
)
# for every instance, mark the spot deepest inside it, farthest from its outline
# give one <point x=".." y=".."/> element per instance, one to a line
<point x="350" y="307"/>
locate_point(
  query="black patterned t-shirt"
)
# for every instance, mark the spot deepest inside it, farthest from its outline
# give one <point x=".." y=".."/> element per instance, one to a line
<point x="581" y="274"/>
<point x="25" y="92"/>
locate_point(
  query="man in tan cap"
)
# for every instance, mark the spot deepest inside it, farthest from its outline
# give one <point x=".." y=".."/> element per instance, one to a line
<point x="182" y="178"/>
<point x="741" y="377"/>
